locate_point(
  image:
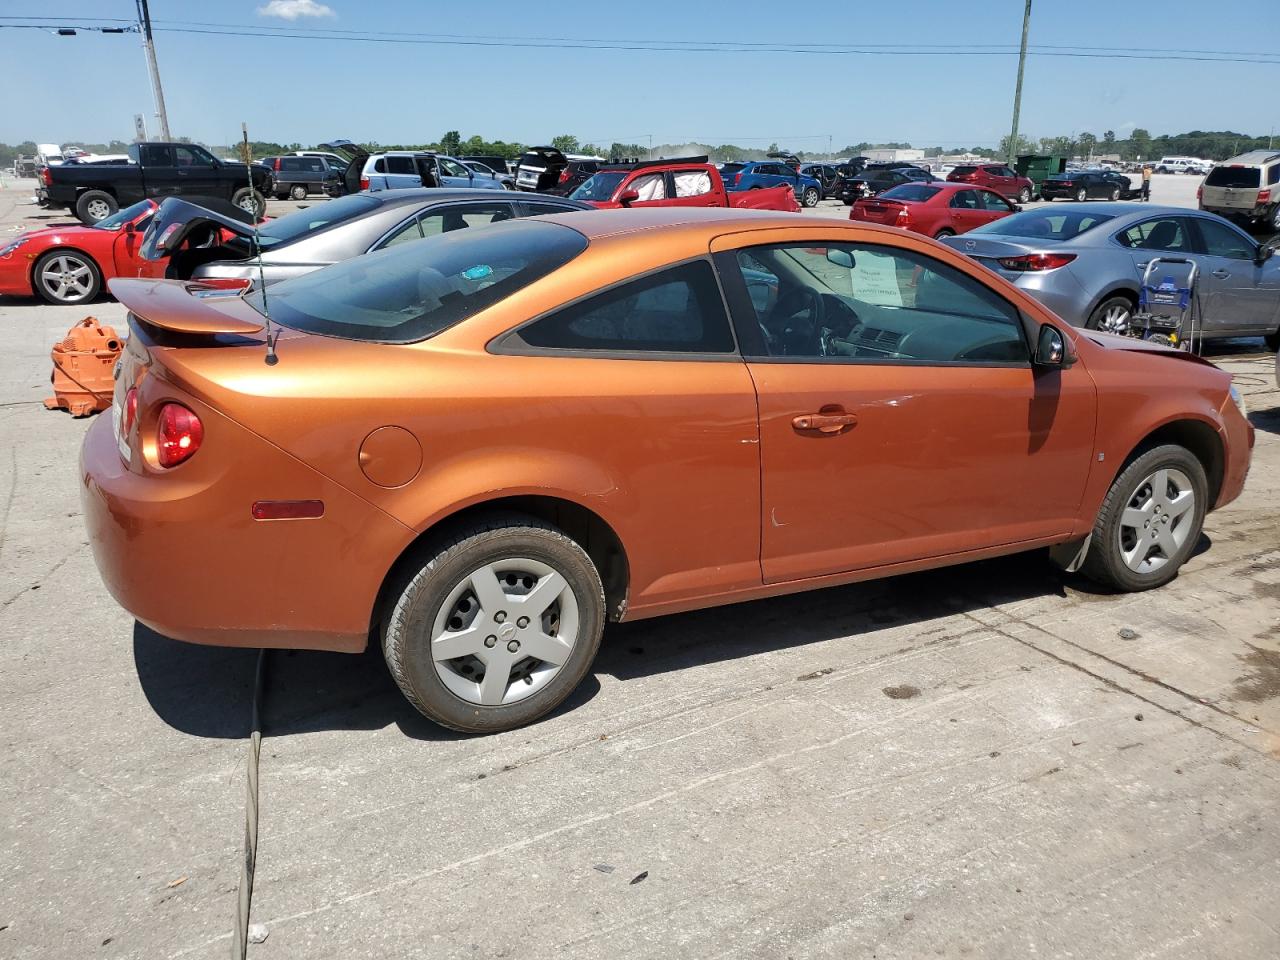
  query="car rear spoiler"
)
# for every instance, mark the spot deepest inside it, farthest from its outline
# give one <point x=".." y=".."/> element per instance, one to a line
<point x="186" y="306"/>
<point x="176" y="218"/>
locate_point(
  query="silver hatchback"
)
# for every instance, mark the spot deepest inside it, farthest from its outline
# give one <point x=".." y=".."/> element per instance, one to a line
<point x="1086" y="262"/>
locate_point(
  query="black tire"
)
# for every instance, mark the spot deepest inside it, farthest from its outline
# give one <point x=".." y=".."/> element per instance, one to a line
<point x="1273" y="340"/>
<point x="1095" y="321"/>
<point x="1115" y="193"/>
<point x="1275" y="218"/>
<point x="257" y="207"/>
<point x="848" y="203"/>
<point x="93" y="206"/>
<point x="1105" y="561"/>
<point x="298" y="192"/>
<point x="811" y="196"/>
<point x="944" y="232"/>
<point x="1081" y="195"/>
<point x="1024" y="196"/>
<point x="407" y="640"/>
<point x="77" y="261"/>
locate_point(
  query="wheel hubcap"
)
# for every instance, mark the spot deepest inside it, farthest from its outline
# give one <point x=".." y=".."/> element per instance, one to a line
<point x="248" y="204"/>
<point x="67" y="278"/>
<point x="504" y="631"/>
<point x="98" y="209"/>
<point x="1115" y="320"/>
<point x="1157" y="520"/>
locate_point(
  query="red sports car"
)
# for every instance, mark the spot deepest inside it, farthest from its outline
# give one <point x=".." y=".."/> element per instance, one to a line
<point x="69" y="262"/>
<point x="935" y="209"/>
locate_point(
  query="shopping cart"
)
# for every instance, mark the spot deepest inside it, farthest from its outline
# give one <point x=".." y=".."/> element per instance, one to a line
<point x="1168" y="308"/>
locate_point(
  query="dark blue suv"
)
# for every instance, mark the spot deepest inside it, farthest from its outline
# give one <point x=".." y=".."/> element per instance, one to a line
<point x="758" y="174"/>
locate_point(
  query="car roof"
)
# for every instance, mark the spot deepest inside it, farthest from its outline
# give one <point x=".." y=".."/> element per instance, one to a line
<point x="394" y="198"/>
<point x="1253" y="156"/>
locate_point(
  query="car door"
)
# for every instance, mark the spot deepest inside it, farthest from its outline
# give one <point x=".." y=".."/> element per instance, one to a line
<point x="900" y="417"/>
<point x="1168" y="235"/>
<point x="159" y="171"/>
<point x="691" y="188"/>
<point x="197" y="173"/>
<point x="965" y="210"/>
<point x="650" y="188"/>
<point x="402" y="172"/>
<point x="992" y="206"/>
<point x="1238" y="294"/>
<point x="453" y="174"/>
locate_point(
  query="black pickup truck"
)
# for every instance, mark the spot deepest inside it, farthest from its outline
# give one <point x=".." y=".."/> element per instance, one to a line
<point x="154" y="171"/>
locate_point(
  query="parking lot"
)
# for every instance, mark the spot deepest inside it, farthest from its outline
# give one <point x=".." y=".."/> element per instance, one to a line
<point x="995" y="760"/>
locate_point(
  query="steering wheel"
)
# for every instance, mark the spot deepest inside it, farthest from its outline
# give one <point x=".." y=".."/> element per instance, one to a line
<point x="795" y="320"/>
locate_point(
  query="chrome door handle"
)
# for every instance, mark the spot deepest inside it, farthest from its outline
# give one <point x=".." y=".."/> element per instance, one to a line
<point x="824" y="422"/>
<point x="1142" y="266"/>
<point x="1221" y="274"/>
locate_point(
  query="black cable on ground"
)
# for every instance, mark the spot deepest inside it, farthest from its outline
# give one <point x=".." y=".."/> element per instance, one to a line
<point x="244" y="898"/>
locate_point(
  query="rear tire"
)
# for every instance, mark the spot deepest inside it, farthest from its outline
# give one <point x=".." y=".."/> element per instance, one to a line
<point x="93" y="206"/>
<point x="810" y="197"/>
<point x="1024" y="196"/>
<point x="944" y="232"/>
<point x="1272" y="340"/>
<point x="476" y="582"/>
<point x="1150" y="521"/>
<point x="297" y="192"/>
<point x="1115" y="193"/>
<point x="1112" y="315"/>
<point x="250" y="201"/>
<point x="1082" y="195"/>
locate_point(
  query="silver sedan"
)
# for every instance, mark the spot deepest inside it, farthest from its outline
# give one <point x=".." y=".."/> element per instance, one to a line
<point x="1085" y="262"/>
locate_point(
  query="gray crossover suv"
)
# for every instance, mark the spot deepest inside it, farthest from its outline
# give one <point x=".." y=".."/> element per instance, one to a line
<point x="1245" y="187"/>
<point x="1085" y="263"/>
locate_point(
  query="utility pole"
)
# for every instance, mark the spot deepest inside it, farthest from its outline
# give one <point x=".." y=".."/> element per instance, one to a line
<point x="1017" y="94"/>
<point x="144" y="21"/>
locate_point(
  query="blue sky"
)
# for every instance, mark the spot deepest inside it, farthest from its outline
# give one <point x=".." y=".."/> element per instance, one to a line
<point x="88" y="87"/>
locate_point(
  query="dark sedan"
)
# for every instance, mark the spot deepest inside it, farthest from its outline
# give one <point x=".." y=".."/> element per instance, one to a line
<point x="1087" y="185"/>
<point x="871" y="182"/>
<point x="186" y="241"/>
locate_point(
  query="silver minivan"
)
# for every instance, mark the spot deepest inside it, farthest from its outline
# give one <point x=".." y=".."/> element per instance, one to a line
<point x="1245" y="187"/>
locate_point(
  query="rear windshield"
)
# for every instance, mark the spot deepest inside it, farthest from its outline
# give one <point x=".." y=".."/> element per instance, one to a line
<point x="1233" y="177"/>
<point x="541" y="158"/>
<point x="1042" y="225"/>
<point x="1063" y="176"/>
<point x="294" y="225"/>
<point x="962" y="171"/>
<point x="599" y="187"/>
<point x="414" y="290"/>
<point x="732" y="167"/>
<point x="910" y="191"/>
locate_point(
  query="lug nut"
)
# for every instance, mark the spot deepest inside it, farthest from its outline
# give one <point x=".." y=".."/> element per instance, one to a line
<point x="522" y="622"/>
<point x="500" y="616"/>
<point x="513" y="646"/>
<point x="490" y="640"/>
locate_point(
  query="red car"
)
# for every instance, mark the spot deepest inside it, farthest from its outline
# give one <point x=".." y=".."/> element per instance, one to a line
<point x="68" y="263"/>
<point x="997" y="177"/>
<point x="934" y="209"/>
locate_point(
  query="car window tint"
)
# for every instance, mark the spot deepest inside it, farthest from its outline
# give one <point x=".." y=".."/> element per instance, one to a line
<point x="865" y="303"/>
<point x="380" y="165"/>
<point x="409" y="230"/>
<point x="400" y="165"/>
<point x="450" y="168"/>
<point x="1163" y="233"/>
<point x="1042" y="224"/>
<point x="1221" y="241"/>
<point x="1273" y="175"/>
<point x="463" y="216"/>
<point x="678" y="310"/>
<point x="189" y="157"/>
<point x="156" y="155"/>
<point x="692" y="183"/>
<point x="993" y="201"/>
<point x="965" y="200"/>
<point x="545" y="208"/>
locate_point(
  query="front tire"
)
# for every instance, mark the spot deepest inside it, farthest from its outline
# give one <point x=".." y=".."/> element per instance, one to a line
<point x="297" y="192"/>
<point x="811" y="196"/>
<point x="944" y="232"/>
<point x="93" y="206"/>
<point x="1112" y="315"/>
<point x="497" y="627"/>
<point x="1150" y="521"/>
<point x="1081" y="195"/>
<point x="1024" y="196"/>
<point x="66" y="277"/>
<point x="250" y="201"/>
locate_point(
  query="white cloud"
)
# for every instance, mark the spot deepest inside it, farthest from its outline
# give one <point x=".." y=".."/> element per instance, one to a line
<point x="294" y="9"/>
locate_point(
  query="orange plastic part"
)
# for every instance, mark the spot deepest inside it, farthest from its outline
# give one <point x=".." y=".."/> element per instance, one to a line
<point x="83" y="362"/>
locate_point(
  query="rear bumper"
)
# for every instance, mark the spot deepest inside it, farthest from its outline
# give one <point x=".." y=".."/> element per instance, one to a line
<point x="180" y="551"/>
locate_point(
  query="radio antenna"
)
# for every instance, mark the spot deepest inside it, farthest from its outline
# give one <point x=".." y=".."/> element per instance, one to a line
<point x="271" y="357"/>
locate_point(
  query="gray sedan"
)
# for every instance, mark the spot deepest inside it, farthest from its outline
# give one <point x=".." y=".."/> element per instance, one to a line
<point x="1085" y="263"/>
<point x="200" y="243"/>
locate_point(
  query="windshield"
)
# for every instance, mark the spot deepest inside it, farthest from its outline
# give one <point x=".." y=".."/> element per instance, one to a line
<point x="303" y="222"/>
<point x="121" y="217"/>
<point x="732" y="167"/>
<point x="1233" y="177"/>
<point x="414" y="290"/>
<point x="910" y="191"/>
<point x="1040" y="225"/>
<point x="600" y="186"/>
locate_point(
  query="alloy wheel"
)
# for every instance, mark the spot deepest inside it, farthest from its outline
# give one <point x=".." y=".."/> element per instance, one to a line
<point x="1157" y="520"/>
<point x="504" y="631"/>
<point x="248" y="204"/>
<point x="1114" y="320"/>
<point x="98" y="209"/>
<point x="67" y="278"/>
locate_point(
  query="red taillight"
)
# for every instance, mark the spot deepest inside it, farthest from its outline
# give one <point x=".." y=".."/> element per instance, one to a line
<point x="287" y="509"/>
<point x="564" y="175"/>
<point x="1264" y="196"/>
<point x="179" y="434"/>
<point x="1200" y="192"/>
<point x="903" y="215"/>
<point x="1034" y="262"/>
<point x="130" y="408"/>
<point x="364" y="183"/>
<point x="277" y="163"/>
<point x="733" y="179"/>
<point x="47" y="176"/>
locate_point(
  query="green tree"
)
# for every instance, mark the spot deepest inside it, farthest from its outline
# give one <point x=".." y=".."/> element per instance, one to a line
<point x="1024" y="145"/>
<point x="566" y="143"/>
<point x="1139" y="144"/>
<point x="451" y="142"/>
<point x="1109" y="140"/>
<point x="1087" y="142"/>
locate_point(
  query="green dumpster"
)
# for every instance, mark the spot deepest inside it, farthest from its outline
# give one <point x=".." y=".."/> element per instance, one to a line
<point x="1037" y="168"/>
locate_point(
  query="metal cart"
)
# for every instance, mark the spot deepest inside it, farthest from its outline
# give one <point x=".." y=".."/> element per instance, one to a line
<point x="1168" y="308"/>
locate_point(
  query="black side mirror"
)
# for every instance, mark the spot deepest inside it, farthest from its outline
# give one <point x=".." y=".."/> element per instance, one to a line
<point x="1051" y="348"/>
<point x="1265" y="252"/>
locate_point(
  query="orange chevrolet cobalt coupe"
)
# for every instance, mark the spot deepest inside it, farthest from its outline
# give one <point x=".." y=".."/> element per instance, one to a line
<point x="477" y="448"/>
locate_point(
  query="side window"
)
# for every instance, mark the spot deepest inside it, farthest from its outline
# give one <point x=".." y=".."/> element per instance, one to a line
<point x="1165" y="233"/>
<point x="188" y="157"/>
<point x="863" y="303"/>
<point x="155" y="155"/>
<point x="677" y="310"/>
<point x="993" y="201"/>
<point x="545" y="209"/>
<point x="692" y="183"/>
<point x="380" y="165"/>
<point x="1273" y="175"/>
<point x="462" y="216"/>
<point x="314" y="164"/>
<point x="400" y="165"/>
<point x="409" y="230"/>
<point x="1221" y="241"/>
<point x="291" y="164"/>
<point x="965" y="200"/>
<point x="451" y="169"/>
<point x="650" y="186"/>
